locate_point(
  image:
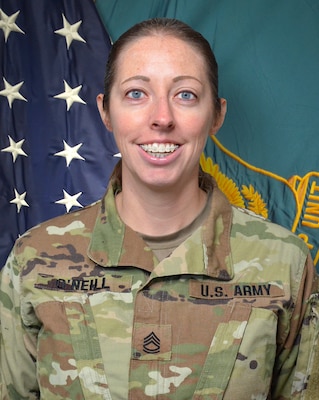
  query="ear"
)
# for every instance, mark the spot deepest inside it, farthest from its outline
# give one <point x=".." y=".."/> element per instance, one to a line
<point x="103" y="113"/>
<point x="219" y="118"/>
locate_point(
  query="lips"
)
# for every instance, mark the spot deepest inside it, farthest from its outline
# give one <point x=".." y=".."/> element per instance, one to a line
<point x="159" y="150"/>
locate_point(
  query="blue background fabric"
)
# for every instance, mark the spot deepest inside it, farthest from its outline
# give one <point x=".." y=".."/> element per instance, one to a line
<point x="36" y="181"/>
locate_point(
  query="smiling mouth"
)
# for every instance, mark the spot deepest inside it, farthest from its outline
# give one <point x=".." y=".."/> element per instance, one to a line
<point x="159" y="150"/>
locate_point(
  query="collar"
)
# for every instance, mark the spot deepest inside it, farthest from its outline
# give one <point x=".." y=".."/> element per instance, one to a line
<point x="205" y="252"/>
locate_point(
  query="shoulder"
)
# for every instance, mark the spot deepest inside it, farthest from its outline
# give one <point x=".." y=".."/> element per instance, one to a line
<point x="255" y="232"/>
<point x="269" y="252"/>
<point x="74" y="227"/>
<point x="250" y="223"/>
<point x="67" y="222"/>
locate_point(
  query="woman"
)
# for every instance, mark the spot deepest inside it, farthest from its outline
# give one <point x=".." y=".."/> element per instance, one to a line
<point x="161" y="290"/>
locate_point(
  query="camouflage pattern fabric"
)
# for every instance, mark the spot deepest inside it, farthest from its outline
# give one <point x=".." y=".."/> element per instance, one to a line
<point x="88" y="312"/>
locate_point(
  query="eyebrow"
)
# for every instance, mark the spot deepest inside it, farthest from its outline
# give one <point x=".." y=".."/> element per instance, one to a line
<point x="146" y="79"/>
<point x="183" y="77"/>
<point x="137" y="78"/>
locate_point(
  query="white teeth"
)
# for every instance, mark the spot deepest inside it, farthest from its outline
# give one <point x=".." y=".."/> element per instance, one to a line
<point x="159" y="148"/>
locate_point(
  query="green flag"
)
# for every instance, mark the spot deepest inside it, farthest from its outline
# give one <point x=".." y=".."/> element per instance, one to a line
<point x="268" y="57"/>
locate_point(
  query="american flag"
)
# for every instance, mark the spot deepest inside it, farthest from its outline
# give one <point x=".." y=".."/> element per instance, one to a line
<point x="55" y="153"/>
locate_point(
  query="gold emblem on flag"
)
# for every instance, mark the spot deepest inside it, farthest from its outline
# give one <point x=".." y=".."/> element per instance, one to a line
<point x="246" y="197"/>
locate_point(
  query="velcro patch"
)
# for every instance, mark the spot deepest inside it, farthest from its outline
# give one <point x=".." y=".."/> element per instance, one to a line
<point x="217" y="290"/>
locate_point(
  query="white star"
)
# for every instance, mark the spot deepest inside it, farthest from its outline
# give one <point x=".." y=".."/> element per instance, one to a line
<point x="70" y="152"/>
<point x="19" y="200"/>
<point x="70" y="31"/>
<point x="70" y="95"/>
<point x="8" y="25"/>
<point x="117" y="155"/>
<point x="15" y="148"/>
<point x="70" y="201"/>
<point x="12" y="92"/>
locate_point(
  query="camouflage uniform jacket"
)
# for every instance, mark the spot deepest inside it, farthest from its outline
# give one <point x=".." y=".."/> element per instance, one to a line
<point x="87" y="311"/>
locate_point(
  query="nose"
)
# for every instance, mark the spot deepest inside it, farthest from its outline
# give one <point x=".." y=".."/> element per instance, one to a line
<point x="162" y="116"/>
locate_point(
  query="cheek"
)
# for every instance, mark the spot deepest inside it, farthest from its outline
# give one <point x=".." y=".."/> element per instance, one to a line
<point x="119" y="125"/>
<point x="123" y="135"/>
<point x="124" y="121"/>
<point x="200" y="129"/>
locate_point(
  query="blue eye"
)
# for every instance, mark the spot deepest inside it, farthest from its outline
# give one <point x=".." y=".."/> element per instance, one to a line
<point x="135" y="94"/>
<point x="186" y="95"/>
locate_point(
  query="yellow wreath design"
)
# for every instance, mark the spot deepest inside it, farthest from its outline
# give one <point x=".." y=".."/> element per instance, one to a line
<point x="247" y="197"/>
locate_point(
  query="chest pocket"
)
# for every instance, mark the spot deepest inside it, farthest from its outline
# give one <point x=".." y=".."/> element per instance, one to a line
<point x="198" y="343"/>
<point x="87" y="353"/>
<point x="69" y="359"/>
<point x="223" y="352"/>
<point x="80" y="334"/>
<point x="241" y="355"/>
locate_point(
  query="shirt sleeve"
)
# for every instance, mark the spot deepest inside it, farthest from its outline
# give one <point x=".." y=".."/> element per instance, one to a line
<point x="297" y="361"/>
<point x="17" y="366"/>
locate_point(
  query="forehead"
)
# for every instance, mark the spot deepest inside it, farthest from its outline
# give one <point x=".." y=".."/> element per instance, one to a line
<point x="158" y="50"/>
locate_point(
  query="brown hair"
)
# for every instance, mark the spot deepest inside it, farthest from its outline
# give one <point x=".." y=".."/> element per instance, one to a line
<point x="162" y="26"/>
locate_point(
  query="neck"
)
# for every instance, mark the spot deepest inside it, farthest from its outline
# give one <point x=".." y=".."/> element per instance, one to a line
<point x="159" y="213"/>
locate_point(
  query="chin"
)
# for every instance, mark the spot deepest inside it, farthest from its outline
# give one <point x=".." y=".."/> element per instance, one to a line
<point x="162" y="185"/>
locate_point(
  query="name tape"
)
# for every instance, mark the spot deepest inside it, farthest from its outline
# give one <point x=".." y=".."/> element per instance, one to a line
<point x="85" y="284"/>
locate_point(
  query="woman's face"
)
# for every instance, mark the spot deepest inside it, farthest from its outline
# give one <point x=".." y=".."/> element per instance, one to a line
<point x="161" y="111"/>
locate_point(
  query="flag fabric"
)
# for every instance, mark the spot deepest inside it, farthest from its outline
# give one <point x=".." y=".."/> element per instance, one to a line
<point x="55" y="154"/>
